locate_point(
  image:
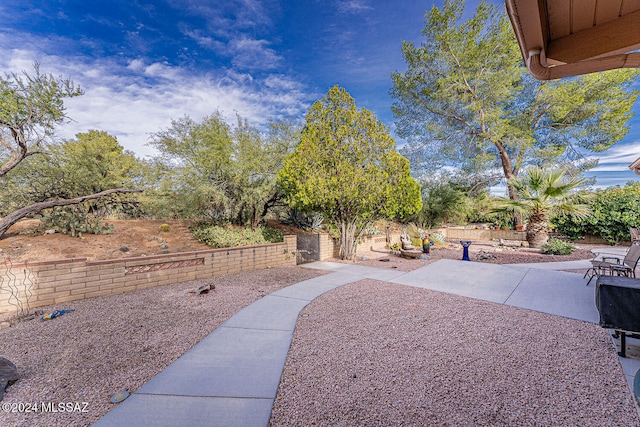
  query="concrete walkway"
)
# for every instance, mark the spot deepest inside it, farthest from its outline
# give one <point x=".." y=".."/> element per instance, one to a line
<point x="231" y="377"/>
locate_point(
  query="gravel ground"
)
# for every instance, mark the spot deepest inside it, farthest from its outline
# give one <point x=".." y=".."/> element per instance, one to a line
<point x="376" y="354"/>
<point x="552" y="371"/>
<point x="120" y="342"/>
<point x="498" y="254"/>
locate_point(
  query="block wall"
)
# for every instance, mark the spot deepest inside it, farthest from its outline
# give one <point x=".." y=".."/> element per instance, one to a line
<point x="54" y="282"/>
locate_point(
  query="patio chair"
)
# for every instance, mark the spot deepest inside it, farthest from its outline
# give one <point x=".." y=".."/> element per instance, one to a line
<point x="604" y="264"/>
<point x="628" y="266"/>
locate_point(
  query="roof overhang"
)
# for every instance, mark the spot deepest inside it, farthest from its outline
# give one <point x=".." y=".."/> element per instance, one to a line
<point x="563" y="38"/>
<point x="635" y="166"/>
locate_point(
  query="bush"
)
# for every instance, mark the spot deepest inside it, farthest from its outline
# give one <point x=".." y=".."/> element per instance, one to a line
<point x="442" y="202"/>
<point x="73" y="220"/>
<point x="613" y="211"/>
<point x="415" y="241"/>
<point x="272" y="235"/>
<point x="437" y="238"/>
<point x="226" y="237"/>
<point x="557" y="247"/>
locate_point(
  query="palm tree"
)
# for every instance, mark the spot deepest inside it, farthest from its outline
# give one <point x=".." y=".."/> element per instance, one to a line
<point x="544" y="193"/>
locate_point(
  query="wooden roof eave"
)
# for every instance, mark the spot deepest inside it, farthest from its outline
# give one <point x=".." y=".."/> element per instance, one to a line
<point x="635" y="166"/>
<point x="542" y="72"/>
<point x="606" y="46"/>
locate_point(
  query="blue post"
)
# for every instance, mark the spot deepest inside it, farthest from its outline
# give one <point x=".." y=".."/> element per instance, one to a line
<point x="465" y="249"/>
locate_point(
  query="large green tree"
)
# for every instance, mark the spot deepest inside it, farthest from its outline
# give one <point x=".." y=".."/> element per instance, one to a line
<point x="347" y="167"/>
<point x="467" y="100"/>
<point x="212" y="170"/>
<point x="92" y="163"/>
<point x="31" y="106"/>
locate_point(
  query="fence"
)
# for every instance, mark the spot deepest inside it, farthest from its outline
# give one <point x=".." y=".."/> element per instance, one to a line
<point x="54" y="282"/>
<point x="460" y="233"/>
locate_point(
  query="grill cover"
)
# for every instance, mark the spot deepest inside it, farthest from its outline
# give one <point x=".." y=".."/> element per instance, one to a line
<point x="618" y="302"/>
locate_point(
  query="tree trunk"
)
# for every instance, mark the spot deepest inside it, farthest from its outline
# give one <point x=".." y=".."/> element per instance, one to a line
<point x="537" y="234"/>
<point x="509" y="173"/>
<point x="17" y="215"/>
<point x="349" y="236"/>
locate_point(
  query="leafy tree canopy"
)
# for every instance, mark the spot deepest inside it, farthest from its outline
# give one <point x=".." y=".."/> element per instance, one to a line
<point x="212" y="170"/>
<point x="346" y="166"/>
<point x="31" y="106"/>
<point x="92" y="163"/>
<point x="467" y="100"/>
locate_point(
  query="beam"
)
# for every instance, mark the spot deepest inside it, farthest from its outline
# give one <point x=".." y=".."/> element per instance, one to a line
<point x="621" y="35"/>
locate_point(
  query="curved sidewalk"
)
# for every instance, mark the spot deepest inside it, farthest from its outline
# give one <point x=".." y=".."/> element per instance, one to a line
<point x="232" y="376"/>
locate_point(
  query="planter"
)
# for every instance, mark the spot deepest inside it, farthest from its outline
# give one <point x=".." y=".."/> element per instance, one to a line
<point x="519" y="227"/>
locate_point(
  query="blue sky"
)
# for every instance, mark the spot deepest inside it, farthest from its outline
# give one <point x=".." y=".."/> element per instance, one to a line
<point x="145" y="62"/>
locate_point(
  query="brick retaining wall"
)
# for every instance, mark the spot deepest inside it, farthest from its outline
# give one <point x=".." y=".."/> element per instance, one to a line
<point x="53" y="282"/>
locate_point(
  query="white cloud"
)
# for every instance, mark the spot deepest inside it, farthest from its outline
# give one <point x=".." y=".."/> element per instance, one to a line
<point x="618" y="158"/>
<point x="132" y="100"/>
<point x="353" y="6"/>
<point x="252" y="54"/>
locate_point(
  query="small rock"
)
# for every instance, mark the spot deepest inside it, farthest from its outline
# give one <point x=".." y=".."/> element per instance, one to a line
<point x="50" y="231"/>
<point x="8" y="375"/>
<point x="205" y="289"/>
<point x="424" y="256"/>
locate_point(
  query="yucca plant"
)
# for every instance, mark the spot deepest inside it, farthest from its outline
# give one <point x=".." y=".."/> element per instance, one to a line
<point x="543" y="193"/>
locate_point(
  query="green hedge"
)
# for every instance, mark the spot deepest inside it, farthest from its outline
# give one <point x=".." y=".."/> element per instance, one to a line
<point x="613" y="211"/>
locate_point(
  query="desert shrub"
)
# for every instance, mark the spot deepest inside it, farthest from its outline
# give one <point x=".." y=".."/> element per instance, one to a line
<point x="73" y="220"/>
<point x="165" y="228"/>
<point x="372" y="230"/>
<point x="437" y="238"/>
<point x="272" y="235"/>
<point x="305" y="221"/>
<point x="225" y="237"/>
<point x="557" y="247"/>
<point x="442" y="202"/>
<point x="415" y="241"/>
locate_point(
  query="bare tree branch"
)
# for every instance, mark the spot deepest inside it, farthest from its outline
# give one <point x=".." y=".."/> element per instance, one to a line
<point x="17" y="215"/>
